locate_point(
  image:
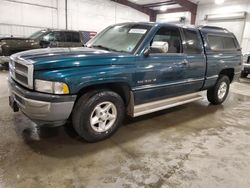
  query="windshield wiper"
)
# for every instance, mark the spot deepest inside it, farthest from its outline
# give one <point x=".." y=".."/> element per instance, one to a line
<point x="102" y="47"/>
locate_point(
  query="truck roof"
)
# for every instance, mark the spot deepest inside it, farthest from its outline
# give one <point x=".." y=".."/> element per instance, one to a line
<point x="61" y="30"/>
<point x="205" y="28"/>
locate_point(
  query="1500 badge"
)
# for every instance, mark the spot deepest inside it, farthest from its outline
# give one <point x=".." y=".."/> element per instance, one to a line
<point x="146" y="81"/>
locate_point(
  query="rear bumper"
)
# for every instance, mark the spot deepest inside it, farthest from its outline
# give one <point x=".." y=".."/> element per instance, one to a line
<point x="43" y="109"/>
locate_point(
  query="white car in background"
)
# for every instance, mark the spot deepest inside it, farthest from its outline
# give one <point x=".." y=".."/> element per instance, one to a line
<point x="246" y="66"/>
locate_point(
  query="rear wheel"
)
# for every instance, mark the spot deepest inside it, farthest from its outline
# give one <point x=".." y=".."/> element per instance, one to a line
<point x="97" y="115"/>
<point x="218" y="94"/>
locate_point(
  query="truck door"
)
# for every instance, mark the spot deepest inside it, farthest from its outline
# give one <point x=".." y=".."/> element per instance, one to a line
<point x="165" y="72"/>
<point x="195" y="59"/>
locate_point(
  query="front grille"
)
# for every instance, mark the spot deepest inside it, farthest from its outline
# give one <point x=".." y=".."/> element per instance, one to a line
<point x="23" y="79"/>
<point x="22" y="72"/>
<point x="21" y="68"/>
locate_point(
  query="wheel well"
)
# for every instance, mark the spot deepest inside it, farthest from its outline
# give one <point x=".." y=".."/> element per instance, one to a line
<point x="228" y="72"/>
<point x="120" y="88"/>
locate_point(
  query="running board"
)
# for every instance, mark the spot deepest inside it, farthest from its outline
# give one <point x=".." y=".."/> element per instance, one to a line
<point x="147" y="108"/>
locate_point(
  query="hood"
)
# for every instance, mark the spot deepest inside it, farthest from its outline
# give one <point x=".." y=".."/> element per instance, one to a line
<point x="56" y="58"/>
<point x="13" y="38"/>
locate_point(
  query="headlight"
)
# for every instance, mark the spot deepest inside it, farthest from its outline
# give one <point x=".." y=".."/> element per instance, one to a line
<point x="51" y="87"/>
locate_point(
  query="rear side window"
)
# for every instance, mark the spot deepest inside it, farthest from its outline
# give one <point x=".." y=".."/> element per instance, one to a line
<point x="192" y="42"/>
<point x="72" y="37"/>
<point x="221" y="42"/>
<point x="59" y="36"/>
<point x="75" y="37"/>
<point x="68" y="37"/>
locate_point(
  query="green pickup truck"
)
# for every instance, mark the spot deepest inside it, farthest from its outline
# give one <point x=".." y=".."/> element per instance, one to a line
<point x="127" y="69"/>
<point x="40" y="39"/>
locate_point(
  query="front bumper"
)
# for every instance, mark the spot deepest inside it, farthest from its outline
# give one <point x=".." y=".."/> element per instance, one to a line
<point x="43" y="109"/>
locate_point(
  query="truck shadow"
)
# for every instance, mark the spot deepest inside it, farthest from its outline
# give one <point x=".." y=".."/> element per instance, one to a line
<point x="63" y="142"/>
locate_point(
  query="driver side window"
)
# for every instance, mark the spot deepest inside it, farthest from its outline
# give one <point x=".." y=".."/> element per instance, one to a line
<point x="49" y="37"/>
<point x="167" y="36"/>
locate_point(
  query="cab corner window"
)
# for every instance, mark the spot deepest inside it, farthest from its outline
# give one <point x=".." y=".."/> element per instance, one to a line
<point x="221" y="42"/>
<point x="167" y="40"/>
<point x="192" y="42"/>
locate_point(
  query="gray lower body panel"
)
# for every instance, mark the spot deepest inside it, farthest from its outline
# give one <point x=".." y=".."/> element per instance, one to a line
<point x="42" y="108"/>
<point x="165" y="103"/>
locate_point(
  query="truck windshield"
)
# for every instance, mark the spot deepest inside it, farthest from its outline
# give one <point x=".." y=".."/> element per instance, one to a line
<point x="120" y="38"/>
<point x="37" y="34"/>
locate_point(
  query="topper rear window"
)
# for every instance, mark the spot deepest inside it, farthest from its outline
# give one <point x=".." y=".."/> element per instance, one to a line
<point x="221" y="42"/>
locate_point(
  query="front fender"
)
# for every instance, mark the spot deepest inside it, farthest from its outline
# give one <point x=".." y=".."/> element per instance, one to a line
<point x="78" y="78"/>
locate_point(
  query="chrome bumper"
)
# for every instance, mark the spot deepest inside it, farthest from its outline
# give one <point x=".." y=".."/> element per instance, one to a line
<point x="43" y="109"/>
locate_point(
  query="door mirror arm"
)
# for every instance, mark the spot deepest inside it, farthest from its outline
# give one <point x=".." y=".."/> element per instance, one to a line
<point x="146" y="52"/>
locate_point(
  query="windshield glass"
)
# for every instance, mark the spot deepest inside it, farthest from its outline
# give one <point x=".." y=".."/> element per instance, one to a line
<point x="37" y="34"/>
<point x="121" y="38"/>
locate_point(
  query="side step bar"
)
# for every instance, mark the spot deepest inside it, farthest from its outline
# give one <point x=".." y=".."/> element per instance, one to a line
<point x="147" y="108"/>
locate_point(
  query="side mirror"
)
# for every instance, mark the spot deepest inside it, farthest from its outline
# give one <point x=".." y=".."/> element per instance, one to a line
<point x="160" y="47"/>
<point x="146" y="52"/>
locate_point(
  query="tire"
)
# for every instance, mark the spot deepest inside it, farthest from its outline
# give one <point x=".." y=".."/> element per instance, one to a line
<point x="217" y="95"/>
<point x="244" y="75"/>
<point x="90" y="109"/>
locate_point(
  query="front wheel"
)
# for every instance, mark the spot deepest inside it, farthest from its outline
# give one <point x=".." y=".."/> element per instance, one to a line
<point x="97" y="115"/>
<point x="218" y="94"/>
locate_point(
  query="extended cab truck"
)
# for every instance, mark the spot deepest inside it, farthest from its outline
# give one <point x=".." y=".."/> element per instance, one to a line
<point x="130" y="68"/>
<point x="40" y="39"/>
